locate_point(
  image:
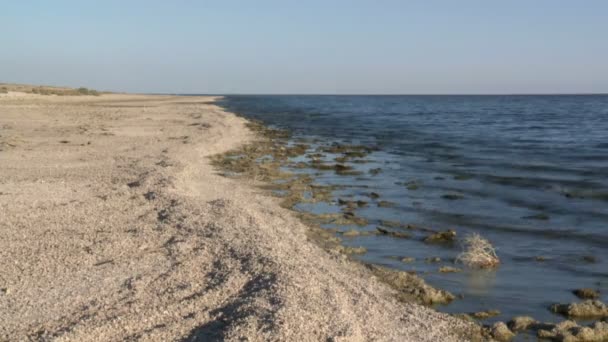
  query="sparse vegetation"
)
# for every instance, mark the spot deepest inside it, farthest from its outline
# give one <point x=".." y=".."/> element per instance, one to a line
<point x="478" y="253"/>
<point x="86" y="91"/>
<point x="47" y="90"/>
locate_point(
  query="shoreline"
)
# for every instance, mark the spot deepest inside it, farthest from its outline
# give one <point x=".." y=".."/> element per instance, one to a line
<point x="119" y="227"/>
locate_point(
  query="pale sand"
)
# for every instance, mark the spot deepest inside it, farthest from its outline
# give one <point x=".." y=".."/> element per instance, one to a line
<point x="114" y="226"/>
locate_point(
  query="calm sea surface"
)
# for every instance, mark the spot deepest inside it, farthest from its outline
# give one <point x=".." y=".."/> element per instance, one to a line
<point x="529" y="173"/>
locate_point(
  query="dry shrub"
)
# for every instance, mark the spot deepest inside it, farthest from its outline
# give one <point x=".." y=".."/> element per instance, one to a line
<point x="478" y="253"/>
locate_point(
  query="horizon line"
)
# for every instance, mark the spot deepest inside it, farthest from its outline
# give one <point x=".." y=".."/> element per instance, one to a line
<point x="380" y="94"/>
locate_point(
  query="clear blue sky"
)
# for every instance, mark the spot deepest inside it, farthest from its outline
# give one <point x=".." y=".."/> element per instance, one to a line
<point x="382" y="46"/>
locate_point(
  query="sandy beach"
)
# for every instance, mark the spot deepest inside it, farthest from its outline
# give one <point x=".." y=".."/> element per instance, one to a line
<point x="115" y="226"/>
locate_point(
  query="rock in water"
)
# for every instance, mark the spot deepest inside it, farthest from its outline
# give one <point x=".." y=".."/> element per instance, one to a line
<point x="586" y="293"/>
<point x="521" y="323"/>
<point x="588" y="308"/>
<point x="485" y="314"/>
<point x="501" y="332"/>
<point x="449" y="269"/>
<point x="411" y="287"/>
<point x="572" y="332"/>
<point x="441" y="237"/>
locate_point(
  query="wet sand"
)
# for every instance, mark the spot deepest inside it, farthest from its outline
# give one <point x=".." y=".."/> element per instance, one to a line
<point x="115" y="226"/>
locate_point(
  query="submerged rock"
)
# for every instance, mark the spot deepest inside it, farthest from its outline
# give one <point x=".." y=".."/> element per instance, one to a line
<point x="375" y="171"/>
<point x="374" y="195"/>
<point x="431" y="260"/>
<point x="500" y="332"/>
<point x="348" y="150"/>
<point x="412" y="187"/>
<point x="355" y="233"/>
<point x="590" y="259"/>
<point x="462" y="177"/>
<point x="408" y="260"/>
<point x="588" y="308"/>
<point x="452" y="197"/>
<point x="342" y="167"/>
<point x="392" y="224"/>
<point x="351" y="233"/>
<point x="586" y="293"/>
<point x="398" y="235"/>
<point x="361" y="203"/>
<point x="485" y="314"/>
<point x="351" y="250"/>
<point x="411" y="287"/>
<point x="386" y="204"/>
<point x="350" y="218"/>
<point x="441" y="237"/>
<point x="449" y="269"/>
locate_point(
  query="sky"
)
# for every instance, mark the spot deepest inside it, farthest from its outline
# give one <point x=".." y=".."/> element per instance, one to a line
<point x="308" y="47"/>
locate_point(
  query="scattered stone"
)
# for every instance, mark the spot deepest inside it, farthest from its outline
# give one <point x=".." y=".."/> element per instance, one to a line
<point x="501" y="332"/>
<point x="540" y="258"/>
<point x="408" y="260"/>
<point x="350" y="218"/>
<point x="374" y="195"/>
<point x="348" y="204"/>
<point x="315" y="156"/>
<point x="398" y="235"/>
<point x="342" y="167"/>
<point x="348" y="150"/>
<point x="485" y="314"/>
<point x="431" y="260"/>
<point x="386" y="204"/>
<point x="351" y="233"/>
<point x="411" y="287"/>
<point x="375" y="171"/>
<point x="452" y="197"/>
<point x="299" y="165"/>
<point x="134" y="184"/>
<point x="449" y="269"/>
<point x="585" y="309"/>
<point x="5" y="290"/>
<point x="361" y="203"/>
<point x="163" y="215"/>
<point x="354" y="250"/>
<point x="412" y="186"/>
<point x="64" y="141"/>
<point x="441" y="237"/>
<point x="590" y="259"/>
<point x="150" y="195"/>
<point x="570" y="331"/>
<point x="521" y="323"/>
<point x="392" y="224"/>
<point x="586" y="293"/>
<point x="465" y="317"/>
